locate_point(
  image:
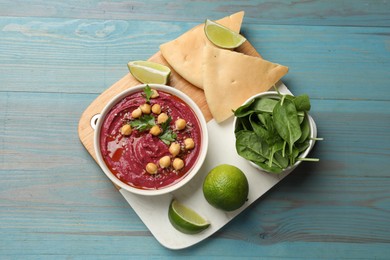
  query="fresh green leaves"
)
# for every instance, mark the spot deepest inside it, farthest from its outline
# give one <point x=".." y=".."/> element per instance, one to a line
<point x="273" y="131"/>
<point x="165" y="125"/>
<point x="148" y="93"/>
<point x="144" y="123"/>
<point x="285" y="119"/>
<point x="264" y="105"/>
<point x="250" y="146"/>
<point x="167" y="135"/>
<point x="302" y="103"/>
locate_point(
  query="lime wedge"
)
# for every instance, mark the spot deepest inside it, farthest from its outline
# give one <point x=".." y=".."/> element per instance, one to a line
<point x="149" y="72"/>
<point x="221" y="36"/>
<point x="185" y="219"/>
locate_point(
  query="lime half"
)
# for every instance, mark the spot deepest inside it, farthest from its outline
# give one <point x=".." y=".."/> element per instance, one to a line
<point x="185" y="219"/>
<point x="222" y="36"/>
<point x="149" y="72"/>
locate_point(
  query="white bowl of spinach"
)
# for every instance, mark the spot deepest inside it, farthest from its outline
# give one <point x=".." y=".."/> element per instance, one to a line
<point x="275" y="132"/>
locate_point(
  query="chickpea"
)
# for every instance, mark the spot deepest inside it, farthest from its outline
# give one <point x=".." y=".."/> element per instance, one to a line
<point x="151" y="168"/>
<point x="165" y="161"/>
<point x="126" y="129"/>
<point x="154" y="94"/>
<point x="178" y="164"/>
<point x="145" y="108"/>
<point x="180" y="124"/>
<point x="156" y="108"/>
<point x="174" y="149"/>
<point x="189" y="143"/>
<point x="136" y="113"/>
<point x="155" y="130"/>
<point x="162" y="118"/>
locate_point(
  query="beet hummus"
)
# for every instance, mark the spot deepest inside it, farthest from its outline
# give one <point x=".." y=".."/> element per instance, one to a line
<point x="150" y="139"/>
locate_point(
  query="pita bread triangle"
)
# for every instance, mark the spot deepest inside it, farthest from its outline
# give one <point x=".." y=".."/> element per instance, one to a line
<point x="184" y="54"/>
<point x="231" y="77"/>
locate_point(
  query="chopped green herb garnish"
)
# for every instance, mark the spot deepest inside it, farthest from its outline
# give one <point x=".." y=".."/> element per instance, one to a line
<point x="148" y="93"/>
<point x="165" y="125"/>
<point x="144" y="123"/>
<point x="167" y="135"/>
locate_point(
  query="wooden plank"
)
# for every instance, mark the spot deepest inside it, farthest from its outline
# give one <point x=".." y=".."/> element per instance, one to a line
<point x="94" y="245"/>
<point x="72" y="56"/>
<point x="316" y="12"/>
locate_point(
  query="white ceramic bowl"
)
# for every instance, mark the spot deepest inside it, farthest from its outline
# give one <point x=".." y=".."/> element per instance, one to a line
<point x="189" y="175"/>
<point x="313" y="131"/>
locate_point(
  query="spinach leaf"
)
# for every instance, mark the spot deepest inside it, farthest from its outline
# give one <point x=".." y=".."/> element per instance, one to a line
<point x="293" y="155"/>
<point x="277" y="146"/>
<point x="274" y="168"/>
<point x="301" y="116"/>
<point x="280" y="160"/>
<point x="286" y="122"/>
<point x="302" y="103"/>
<point x="244" y="110"/>
<point x="250" y="146"/>
<point x="243" y="123"/>
<point x="264" y="105"/>
<point x="303" y="146"/>
<point x="258" y="128"/>
<point x="287" y="96"/>
<point x="266" y="120"/>
<point x="305" y="129"/>
<point x="272" y="136"/>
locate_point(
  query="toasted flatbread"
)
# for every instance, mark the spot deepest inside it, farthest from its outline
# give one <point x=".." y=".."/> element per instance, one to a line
<point x="231" y="77"/>
<point x="184" y="54"/>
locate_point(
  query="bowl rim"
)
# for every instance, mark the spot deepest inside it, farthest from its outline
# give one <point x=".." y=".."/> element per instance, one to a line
<point x="189" y="175"/>
<point x="312" y="124"/>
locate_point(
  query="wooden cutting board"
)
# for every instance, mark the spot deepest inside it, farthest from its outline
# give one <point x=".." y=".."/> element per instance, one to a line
<point x="85" y="129"/>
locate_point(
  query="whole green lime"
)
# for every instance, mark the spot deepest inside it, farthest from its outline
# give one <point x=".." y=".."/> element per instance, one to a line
<point x="226" y="187"/>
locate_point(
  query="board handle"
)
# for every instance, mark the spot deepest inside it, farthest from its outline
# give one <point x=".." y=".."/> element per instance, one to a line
<point x="94" y="121"/>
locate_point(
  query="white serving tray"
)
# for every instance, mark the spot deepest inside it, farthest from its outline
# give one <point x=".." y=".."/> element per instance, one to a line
<point x="153" y="210"/>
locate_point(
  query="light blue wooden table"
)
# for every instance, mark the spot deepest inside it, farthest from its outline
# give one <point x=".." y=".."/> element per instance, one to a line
<point x="57" y="56"/>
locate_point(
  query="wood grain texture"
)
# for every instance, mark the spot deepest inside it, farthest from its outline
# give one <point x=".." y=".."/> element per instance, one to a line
<point x="83" y="56"/>
<point x="56" y="57"/>
<point x="314" y="12"/>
